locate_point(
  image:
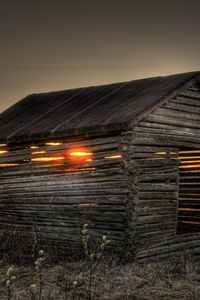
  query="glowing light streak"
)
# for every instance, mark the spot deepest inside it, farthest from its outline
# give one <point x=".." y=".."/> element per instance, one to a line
<point x="72" y="170"/>
<point x="188" y="157"/>
<point x="190" y="151"/>
<point x="39" y="152"/>
<point x="3" y="151"/>
<point x="163" y="153"/>
<point x="190" y="161"/>
<point x="189" y="166"/>
<point x="8" y="165"/>
<point x="113" y="156"/>
<point x="44" y="159"/>
<point x="160" y="152"/>
<point x="79" y="169"/>
<point x="80" y="153"/>
<point x="89" y="159"/>
<point x="53" y="144"/>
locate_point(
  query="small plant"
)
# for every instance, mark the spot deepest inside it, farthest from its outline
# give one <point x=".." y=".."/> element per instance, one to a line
<point x="94" y="254"/>
<point x="38" y="263"/>
<point x="77" y="284"/>
<point x="71" y="283"/>
<point x="10" y="280"/>
<point x="33" y="288"/>
<point x="66" y="287"/>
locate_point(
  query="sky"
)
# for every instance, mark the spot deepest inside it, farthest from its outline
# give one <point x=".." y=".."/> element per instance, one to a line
<point x="48" y="45"/>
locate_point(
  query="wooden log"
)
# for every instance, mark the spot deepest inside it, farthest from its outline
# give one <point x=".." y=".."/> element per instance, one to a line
<point x="103" y="199"/>
<point x="82" y="175"/>
<point x="152" y="156"/>
<point x="164" y="141"/>
<point x="71" y="192"/>
<point x="190" y="94"/>
<point x="188" y="101"/>
<point x="177" y="245"/>
<point x="178" y="129"/>
<point x="152" y="227"/>
<point x="166" y="130"/>
<point x="182" y="107"/>
<point x="164" y="111"/>
<point x="156" y="219"/>
<point x="143" y="163"/>
<point x="158" y="177"/>
<point x="173" y="121"/>
<point x="59" y="234"/>
<point x="193" y="88"/>
<point x="153" y="203"/>
<point x="60" y="185"/>
<point x="79" y="217"/>
<point x="158" y="195"/>
<point x="77" y="223"/>
<point x="145" y="211"/>
<point x="101" y="175"/>
<point x="156" y="187"/>
<point x="154" y="235"/>
<point x="156" y="137"/>
<point x="152" y="149"/>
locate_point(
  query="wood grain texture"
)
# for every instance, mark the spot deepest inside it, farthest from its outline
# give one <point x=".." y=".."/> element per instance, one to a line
<point x="57" y="198"/>
<point x="168" y="210"/>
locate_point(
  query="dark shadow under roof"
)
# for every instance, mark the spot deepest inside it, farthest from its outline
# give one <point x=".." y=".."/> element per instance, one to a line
<point x="101" y="108"/>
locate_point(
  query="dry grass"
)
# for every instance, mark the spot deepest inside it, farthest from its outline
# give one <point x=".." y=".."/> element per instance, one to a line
<point x="174" y="278"/>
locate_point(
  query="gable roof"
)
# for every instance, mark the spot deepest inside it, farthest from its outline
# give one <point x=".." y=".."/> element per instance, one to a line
<point x="92" y="109"/>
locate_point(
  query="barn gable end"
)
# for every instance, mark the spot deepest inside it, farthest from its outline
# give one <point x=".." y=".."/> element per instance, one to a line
<point x="165" y="158"/>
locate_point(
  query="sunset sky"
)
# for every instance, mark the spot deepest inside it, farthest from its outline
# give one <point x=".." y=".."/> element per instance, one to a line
<point x="50" y="45"/>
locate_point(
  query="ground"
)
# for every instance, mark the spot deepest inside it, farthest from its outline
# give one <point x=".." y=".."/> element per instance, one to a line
<point x="172" y="278"/>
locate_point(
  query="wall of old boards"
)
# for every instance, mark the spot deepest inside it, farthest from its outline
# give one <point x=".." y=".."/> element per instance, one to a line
<point x="54" y="187"/>
<point x="159" y="143"/>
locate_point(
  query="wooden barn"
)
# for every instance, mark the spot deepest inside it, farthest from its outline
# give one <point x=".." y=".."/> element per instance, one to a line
<point x="123" y="157"/>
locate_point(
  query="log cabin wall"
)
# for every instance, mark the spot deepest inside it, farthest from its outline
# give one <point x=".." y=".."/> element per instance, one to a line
<point x="52" y="188"/>
<point x="157" y="141"/>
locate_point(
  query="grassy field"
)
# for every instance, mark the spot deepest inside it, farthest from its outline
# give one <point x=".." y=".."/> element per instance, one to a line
<point x="173" y="278"/>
